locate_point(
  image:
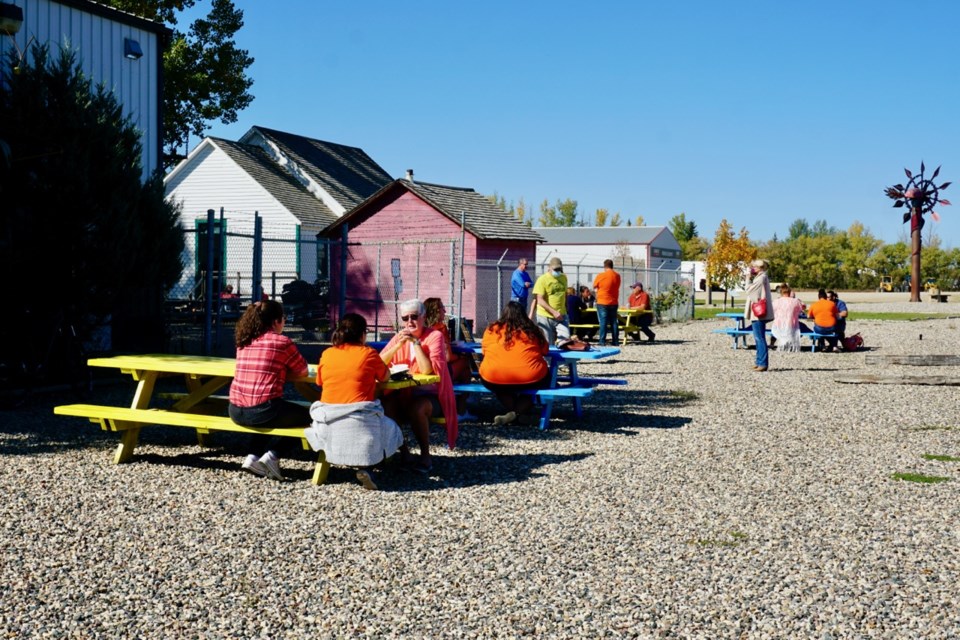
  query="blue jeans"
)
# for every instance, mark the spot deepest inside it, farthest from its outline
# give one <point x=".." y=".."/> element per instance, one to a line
<point x="607" y="314"/>
<point x="760" y="338"/>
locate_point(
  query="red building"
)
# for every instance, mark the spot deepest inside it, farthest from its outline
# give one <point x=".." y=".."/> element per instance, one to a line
<point x="404" y="242"/>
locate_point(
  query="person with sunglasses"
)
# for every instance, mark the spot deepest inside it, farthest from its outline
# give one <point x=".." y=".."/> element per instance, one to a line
<point x="424" y="351"/>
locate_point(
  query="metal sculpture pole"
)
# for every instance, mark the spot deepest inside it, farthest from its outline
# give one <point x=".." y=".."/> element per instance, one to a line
<point x="922" y="195"/>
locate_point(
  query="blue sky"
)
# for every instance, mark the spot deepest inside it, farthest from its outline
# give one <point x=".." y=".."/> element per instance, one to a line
<point x="757" y="112"/>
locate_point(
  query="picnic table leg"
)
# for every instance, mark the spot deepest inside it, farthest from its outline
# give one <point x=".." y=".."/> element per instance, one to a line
<point x="575" y="381"/>
<point x="130" y="435"/>
<point x="545" y="412"/>
<point x="321" y="470"/>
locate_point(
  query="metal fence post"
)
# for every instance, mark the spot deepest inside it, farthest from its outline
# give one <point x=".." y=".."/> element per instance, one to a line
<point x="256" y="270"/>
<point x="208" y="285"/>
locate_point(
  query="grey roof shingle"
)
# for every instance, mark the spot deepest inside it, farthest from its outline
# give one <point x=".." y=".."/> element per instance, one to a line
<point x="280" y="184"/>
<point x="604" y="235"/>
<point x="482" y="217"/>
<point x="348" y="174"/>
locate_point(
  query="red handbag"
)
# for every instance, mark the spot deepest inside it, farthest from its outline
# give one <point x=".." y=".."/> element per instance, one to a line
<point x="759" y="308"/>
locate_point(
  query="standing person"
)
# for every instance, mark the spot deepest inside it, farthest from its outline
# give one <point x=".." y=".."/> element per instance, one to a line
<point x="841" y="327"/>
<point x="640" y="299"/>
<point x="759" y="289"/>
<point x="513" y="361"/>
<point x="520" y="283"/>
<point x="424" y="351"/>
<point x="265" y="359"/>
<point x="349" y="424"/>
<point x="607" y="288"/>
<point x="823" y="312"/>
<point x="550" y="291"/>
<point x="786" y="321"/>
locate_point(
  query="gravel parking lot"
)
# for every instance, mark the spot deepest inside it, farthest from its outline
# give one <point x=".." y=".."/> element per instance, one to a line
<point x="702" y="500"/>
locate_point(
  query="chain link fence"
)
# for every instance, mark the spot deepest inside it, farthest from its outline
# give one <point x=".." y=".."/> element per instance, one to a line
<point x="319" y="279"/>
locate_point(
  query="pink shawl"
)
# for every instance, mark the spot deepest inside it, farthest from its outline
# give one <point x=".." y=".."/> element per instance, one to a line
<point x="435" y="347"/>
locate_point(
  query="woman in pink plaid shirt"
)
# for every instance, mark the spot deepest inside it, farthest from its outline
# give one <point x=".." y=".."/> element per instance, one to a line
<point x="265" y="359"/>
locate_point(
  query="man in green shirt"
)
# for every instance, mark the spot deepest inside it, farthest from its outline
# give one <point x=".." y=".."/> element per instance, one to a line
<point x="550" y="291"/>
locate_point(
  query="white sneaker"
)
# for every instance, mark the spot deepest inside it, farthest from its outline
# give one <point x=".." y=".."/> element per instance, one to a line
<point x="252" y="464"/>
<point x="271" y="465"/>
<point x="506" y="418"/>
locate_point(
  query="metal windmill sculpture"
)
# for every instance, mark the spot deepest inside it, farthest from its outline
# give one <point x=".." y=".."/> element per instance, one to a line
<point x="922" y="195"/>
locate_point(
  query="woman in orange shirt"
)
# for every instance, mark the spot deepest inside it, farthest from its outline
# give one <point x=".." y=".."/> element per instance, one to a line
<point x="513" y="361"/>
<point x="349" y="425"/>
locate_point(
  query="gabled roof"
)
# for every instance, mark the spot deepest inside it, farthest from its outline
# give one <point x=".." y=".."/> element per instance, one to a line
<point x="606" y="235"/>
<point x="278" y="183"/>
<point x="348" y="174"/>
<point x="482" y="217"/>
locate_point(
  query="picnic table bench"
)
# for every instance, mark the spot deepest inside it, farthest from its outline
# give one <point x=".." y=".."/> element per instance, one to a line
<point x="203" y="376"/>
<point x="571" y="385"/>
<point x="741" y="334"/>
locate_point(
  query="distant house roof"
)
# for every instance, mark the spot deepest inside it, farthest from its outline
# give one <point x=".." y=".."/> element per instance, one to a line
<point x="277" y="182"/>
<point x="605" y="235"/>
<point x="482" y="217"/>
<point x="347" y="174"/>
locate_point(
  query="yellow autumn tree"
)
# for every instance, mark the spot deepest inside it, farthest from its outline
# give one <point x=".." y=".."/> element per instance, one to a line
<point x="600" y="217"/>
<point x="728" y="258"/>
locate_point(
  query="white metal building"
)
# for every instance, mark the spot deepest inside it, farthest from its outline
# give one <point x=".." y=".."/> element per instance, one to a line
<point x="120" y="50"/>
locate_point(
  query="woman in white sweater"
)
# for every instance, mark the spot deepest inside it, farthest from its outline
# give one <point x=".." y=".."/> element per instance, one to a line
<point x="759" y="289"/>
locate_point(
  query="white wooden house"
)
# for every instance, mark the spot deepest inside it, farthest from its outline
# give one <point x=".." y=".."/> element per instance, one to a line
<point x="297" y="185"/>
<point x="120" y="50"/>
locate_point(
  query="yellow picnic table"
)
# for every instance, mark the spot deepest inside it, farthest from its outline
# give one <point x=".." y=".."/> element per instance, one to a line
<point x="629" y="321"/>
<point x="203" y="376"/>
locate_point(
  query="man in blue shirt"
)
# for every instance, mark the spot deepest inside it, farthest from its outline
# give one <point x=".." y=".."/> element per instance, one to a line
<point x="841" y="327"/>
<point x="520" y="284"/>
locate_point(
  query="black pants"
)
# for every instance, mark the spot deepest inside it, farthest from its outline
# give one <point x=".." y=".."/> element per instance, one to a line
<point x="276" y="413"/>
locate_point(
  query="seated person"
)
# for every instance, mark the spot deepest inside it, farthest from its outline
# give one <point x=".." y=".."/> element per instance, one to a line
<point x="824" y="315"/>
<point x="228" y="294"/>
<point x="587" y="296"/>
<point x="459" y="365"/>
<point x="640" y="299"/>
<point x="785" y="330"/>
<point x="424" y="351"/>
<point x="265" y="359"/>
<point x="575" y="308"/>
<point x="841" y="328"/>
<point x="513" y="361"/>
<point x="349" y="424"/>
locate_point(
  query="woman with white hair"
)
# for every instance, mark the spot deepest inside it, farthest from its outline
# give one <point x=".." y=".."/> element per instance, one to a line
<point x="759" y="290"/>
<point x="424" y="351"/>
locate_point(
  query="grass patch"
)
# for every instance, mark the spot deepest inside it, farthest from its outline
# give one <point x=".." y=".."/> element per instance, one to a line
<point x="708" y="313"/>
<point x="903" y="316"/>
<point x="919" y="477"/>
<point x="686" y="396"/>
<point x="932" y="456"/>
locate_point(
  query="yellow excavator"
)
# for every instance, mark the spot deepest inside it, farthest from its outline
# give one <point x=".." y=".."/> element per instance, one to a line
<point x="886" y="284"/>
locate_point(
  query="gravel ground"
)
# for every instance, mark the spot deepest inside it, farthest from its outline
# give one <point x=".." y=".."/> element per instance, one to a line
<point x="703" y="500"/>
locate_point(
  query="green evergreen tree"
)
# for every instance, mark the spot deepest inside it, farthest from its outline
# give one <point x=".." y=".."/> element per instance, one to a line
<point x="80" y="233"/>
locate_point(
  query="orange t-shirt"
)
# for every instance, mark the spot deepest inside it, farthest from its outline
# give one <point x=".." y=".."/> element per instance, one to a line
<point x="349" y="373"/>
<point x="607" y="285"/>
<point x="520" y="363"/>
<point x="823" y="312"/>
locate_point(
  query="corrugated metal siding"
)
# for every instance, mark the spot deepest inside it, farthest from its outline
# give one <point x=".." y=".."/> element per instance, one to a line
<point x="98" y="42"/>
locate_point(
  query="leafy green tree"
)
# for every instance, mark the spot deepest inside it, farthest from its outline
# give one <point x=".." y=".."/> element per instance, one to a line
<point x="562" y="214"/>
<point x="692" y="247"/>
<point x="616" y="220"/>
<point x="204" y="72"/>
<point x="80" y="233"/>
